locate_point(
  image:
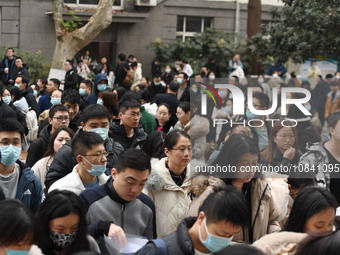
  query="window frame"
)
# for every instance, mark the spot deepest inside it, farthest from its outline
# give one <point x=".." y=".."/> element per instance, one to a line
<point x="91" y="6"/>
<point x="184" y="34"/>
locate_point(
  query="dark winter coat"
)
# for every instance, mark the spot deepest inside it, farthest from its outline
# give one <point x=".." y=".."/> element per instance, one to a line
<point x="92" y="99"/>
<point x="31" y="101"/>
<point x="64" y="160"/>
<point x="44" y="102"/>
<point x="5" y="64"/>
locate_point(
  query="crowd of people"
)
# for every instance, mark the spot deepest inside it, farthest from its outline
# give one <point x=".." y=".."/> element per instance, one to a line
<point x="86" y="163"/>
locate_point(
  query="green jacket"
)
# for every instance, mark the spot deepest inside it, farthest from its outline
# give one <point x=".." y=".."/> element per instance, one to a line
<point x="148" y="121"/>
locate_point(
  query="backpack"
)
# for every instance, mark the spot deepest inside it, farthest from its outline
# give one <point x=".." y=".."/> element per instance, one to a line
<point x="32" y="125"/>
<point x="160" y="245"/>
<point x="129" y="78"/>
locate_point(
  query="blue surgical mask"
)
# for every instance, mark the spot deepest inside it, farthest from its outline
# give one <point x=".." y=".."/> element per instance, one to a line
<point x="97" y="170"/>
<point x="212" y="77"/>
<point x="17" y="252"/>
<point x="7" y="99"/>
<point x="251" y="116"/>
<point x="194" y="90"/>
<point x="99" y="101"/>
<point x="308" y="107"/>
<point x="179" y="80"/>
<point x="55" y="100"/>
<point x="222" y="94"/>
<point x="103" y="132"/>
<point x="35" y="93"/>
<point x="214" y="243"/>
<point x="167" y="70"/>
<point x="157" y="83"/>
<point x="17" y="85"/>
<point x="228" y="109"/>
<point x="102" y="87"/>
<point x="9" y="154"/>
<point x="82" y="92"/>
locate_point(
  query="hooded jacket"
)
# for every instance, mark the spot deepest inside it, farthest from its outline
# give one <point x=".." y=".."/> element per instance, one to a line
<point x="38" y="148"/>
<point x="28" y="94"/>
<point x="92" y="99"/>
<point x="118" y="133"/>
<point x="64" y="160"/>
<point x="264" y="210"/>
<point x="171" y="201"/>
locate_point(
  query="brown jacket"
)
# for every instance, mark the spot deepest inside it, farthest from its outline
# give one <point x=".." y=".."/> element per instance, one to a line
<point x="331" y="106"/>
<point x="264" y="212"/>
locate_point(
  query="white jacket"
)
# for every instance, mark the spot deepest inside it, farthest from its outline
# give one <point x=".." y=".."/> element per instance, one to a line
<point x="72" y="182"/>
<point x="171" y="201"/>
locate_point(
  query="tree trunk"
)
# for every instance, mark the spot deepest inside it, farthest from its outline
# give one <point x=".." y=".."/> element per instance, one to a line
<point x="254" y="24"/>
<point x="68" y="44"/>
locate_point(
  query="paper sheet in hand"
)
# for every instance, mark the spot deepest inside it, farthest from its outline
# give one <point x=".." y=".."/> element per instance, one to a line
<point x="134" y="243"/>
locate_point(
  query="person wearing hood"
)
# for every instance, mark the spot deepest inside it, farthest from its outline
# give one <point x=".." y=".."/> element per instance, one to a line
<point x="20" y="68"/>
<point x="100" y="85"/>
<point x="21" y="82"/>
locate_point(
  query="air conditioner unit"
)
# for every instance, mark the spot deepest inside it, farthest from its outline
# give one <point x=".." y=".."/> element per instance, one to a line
<point x="146" y="2"/>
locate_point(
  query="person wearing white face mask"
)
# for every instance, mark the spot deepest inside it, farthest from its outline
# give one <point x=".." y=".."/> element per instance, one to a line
<point x="237" y="71"/>
<point x="220" y="217"/>
<point x="90" y="153"/>
<point x="95" y="118"/>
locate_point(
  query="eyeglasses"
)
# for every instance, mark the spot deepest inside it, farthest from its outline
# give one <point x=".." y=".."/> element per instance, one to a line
<point x="61" y="118"/>
<point x="100" y="155"/>
<point x="183" y="150"/>
<point x="134" y="115"/>
<point x="284" y="137"/>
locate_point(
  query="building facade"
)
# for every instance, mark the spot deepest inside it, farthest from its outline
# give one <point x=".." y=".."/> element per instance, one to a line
<point x="28" y="24"/>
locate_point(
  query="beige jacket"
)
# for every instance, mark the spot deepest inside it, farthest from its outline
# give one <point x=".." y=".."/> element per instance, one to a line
<point x="264" y="212"/>
<point x="171" y="201"/>
<point x="279" y="243"/>
<point x="41" y="167"/>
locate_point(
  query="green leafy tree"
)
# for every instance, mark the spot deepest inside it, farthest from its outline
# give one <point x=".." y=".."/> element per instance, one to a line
<point x="300" y="30"/>
<point x="199" y="48"/>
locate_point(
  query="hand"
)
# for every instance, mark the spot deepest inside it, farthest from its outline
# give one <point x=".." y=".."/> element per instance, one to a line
<point x="289" y="153"/>
<point x="118" y="237"/>
<point x="6" y="70"/>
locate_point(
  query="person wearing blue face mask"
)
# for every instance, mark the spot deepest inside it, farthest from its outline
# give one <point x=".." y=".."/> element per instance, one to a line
<point x="16" y="179"/>
<point x="168" y="75"/>
<point x="100" y="85"/>
<point x="46" y="101"/>
<point x="17" y="228"/>
<point x="156" y="86"/>
<point x="95" y="118"/>
<point x="222" y="214"/>
<point x="90" y="153"/>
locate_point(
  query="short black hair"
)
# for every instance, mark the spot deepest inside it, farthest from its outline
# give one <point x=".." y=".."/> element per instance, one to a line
<point x="17" y="223"/>
<point x="55" y="108"/>
<point x="94" y="111"/>
<point x="174" y="86"/>
<point x="83" y="141"/>
<point x="133" y="158"/>
<point x="241" y="249"/>
<point x="56" y="82"/>
<point x="226" y="204"/>
<point x="12" y="125"/>
<point x="24" y="79"/>
<point x="19" y="58"/>
<point x="263" y="98"/>
<point x="125" y="105"/>
<point x="70" y="95"/>
<point x="185" y="106"/>
<point x="15" y="92"/>
<point x="185" y="75"/>
<point x="70" y="62"/>
<point x="329" y="76"/>
<point x="88" y="83"/>
<point x="300" y="180"/>
<point x="10" y="48"/>
<point x="132" y="94"/>
<point x="145" y="95"/>
<point x="43" y="80"/>
<point x="308" y="202"/>
<point x="122" y="57"/>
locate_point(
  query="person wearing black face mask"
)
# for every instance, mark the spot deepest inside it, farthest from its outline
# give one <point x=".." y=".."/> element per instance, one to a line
<point x="62" y="225"/>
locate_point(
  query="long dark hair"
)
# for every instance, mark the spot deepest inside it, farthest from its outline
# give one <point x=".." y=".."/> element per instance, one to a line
<point x="50" y="148"/>
<point x="60" y="203"/>
<point x="17" y="222"/>
<point x="308" y="202"/>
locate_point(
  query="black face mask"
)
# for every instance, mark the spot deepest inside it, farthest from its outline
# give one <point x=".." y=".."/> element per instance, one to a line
<point x="62" y="240"/>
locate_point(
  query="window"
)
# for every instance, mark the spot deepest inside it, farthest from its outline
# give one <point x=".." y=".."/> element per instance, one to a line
<point x="118" y="4"/>
<point x="189" y="26"/>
